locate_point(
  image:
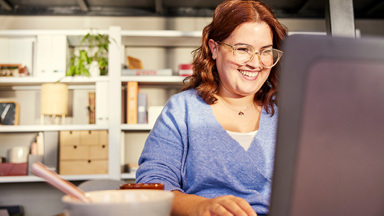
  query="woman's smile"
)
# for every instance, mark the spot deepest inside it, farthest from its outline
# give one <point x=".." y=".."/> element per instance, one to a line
<point x="249" y="75"/>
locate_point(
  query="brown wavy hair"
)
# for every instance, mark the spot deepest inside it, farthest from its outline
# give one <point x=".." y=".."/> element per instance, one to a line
<point x="226" y="18"/>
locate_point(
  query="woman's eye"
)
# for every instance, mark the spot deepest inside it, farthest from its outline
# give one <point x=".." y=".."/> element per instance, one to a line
<point x="267" y="52"/>
<point x="243" y="49"/>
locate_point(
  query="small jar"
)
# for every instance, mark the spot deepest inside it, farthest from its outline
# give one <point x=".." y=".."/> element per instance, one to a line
<point x="152" y="186"/>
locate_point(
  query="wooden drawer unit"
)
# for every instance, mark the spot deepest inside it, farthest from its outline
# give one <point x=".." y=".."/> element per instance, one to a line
<point x="79" y="167"/>
<point x="83" y="152"/>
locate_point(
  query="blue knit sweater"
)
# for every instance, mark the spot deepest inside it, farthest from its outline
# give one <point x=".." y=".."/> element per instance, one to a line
<point x="188" y="150"/>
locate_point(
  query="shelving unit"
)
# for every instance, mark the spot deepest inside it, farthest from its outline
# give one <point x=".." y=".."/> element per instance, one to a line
<point x="33" y="83"/>
<point x="168" y="41"/>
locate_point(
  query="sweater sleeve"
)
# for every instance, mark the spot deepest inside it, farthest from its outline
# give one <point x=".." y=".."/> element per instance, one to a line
<point x="163" y="155"/>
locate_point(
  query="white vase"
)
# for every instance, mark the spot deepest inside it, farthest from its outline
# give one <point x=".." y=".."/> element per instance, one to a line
<point x="94" y="69"/>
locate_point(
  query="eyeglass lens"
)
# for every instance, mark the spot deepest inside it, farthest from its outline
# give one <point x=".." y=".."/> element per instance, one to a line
<point x="267" y="57"/>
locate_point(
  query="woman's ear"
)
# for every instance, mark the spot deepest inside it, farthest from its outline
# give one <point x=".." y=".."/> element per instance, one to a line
<point x="213" y="46"/>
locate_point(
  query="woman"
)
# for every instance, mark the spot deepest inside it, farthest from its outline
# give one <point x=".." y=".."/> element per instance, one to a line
<point x="213" y="143"/>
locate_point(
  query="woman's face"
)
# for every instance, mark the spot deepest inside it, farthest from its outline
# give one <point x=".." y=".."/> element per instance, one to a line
<point x="242" y="80"/>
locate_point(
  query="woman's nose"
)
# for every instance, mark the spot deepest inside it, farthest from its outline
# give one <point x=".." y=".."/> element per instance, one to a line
<point x="255" y="62"/>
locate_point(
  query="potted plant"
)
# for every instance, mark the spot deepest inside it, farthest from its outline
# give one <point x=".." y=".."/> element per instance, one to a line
<point x="91" y="59"/>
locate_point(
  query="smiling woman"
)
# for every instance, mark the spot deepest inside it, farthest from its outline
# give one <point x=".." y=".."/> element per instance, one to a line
<point x="213" y="143"/>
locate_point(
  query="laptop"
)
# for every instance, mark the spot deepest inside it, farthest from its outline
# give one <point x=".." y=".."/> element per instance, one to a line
<point x="329" y="157"/>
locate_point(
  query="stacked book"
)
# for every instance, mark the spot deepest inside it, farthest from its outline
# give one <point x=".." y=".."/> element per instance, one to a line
<point x="134" y="110"/>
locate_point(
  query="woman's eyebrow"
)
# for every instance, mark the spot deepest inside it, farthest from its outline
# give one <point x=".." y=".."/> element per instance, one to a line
<point x="242" y="44"/>
<point x="267" y="46"/>
<point x="263" y="47"/>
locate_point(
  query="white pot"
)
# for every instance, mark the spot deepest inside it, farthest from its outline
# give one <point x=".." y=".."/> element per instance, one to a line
<point x="94" y="69"/>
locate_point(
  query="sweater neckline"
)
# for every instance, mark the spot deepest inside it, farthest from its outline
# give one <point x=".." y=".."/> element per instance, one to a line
<point x="231" y="142"/>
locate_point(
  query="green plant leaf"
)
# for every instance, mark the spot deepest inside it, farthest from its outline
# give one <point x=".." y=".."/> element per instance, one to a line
<point x="79" y="65"/>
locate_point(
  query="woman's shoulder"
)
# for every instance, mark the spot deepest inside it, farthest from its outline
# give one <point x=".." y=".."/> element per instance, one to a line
<point x="187" y="95"/>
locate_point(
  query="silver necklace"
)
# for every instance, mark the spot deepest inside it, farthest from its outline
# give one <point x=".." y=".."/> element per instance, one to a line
<point x="241" y="112"/>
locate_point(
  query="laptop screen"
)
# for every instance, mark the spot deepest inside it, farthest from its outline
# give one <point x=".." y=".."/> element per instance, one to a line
<point x="329" y="156"/>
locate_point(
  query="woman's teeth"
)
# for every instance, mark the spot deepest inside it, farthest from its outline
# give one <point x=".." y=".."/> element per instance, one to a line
<point x="249" y="74"/>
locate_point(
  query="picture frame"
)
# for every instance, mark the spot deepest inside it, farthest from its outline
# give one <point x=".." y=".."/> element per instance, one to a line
<point x="9" y="113"/>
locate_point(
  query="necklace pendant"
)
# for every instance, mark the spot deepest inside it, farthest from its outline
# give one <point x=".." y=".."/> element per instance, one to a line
<point x="241" y="114"/>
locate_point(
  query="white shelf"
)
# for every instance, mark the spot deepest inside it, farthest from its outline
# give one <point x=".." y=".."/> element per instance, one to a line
<point x="163" y="38"/>
<point x="78" y="80"/>
<point x="15" y="179"/>
<point x="38" y="128"/>
<point x="135" y="127"/>
<point x="129" y="176"/>
<point x="154" y="79"/>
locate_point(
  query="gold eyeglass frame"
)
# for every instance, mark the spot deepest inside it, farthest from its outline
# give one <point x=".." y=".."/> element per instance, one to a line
<point x="280" y="54"/>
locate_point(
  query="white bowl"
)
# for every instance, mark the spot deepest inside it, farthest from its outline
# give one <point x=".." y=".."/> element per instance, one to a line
<point x="121" y="202"/>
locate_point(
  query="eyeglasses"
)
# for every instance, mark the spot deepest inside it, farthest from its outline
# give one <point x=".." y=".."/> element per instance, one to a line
<point x="244" y="54"/>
